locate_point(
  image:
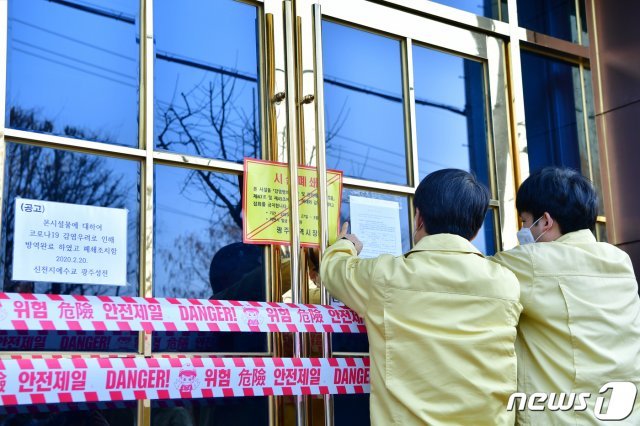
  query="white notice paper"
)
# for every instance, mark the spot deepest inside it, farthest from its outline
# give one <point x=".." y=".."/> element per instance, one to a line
<point x="377" y="224"/>
<point x="69" y="243"/>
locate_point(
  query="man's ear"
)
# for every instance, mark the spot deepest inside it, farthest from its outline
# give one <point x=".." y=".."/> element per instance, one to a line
<point x="419" y="219"/>
<point x="547" y="221"/>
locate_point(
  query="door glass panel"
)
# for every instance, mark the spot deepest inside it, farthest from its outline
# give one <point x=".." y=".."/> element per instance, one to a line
<point x="450" y="113"/>
<point x="80" y="179"/>
<point x="72" y="69"/>
<point x="364" y="104"/>
<point x="351" y="410"/>
<point x="206" y="79"/>
<point x="98" y="414"/>
<point x="199" y="253"/>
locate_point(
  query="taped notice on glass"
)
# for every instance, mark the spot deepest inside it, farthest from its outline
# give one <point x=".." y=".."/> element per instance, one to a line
<point x="69" y="243"/>
<point x="266" y="203"/>
<point x="377" y="224"/>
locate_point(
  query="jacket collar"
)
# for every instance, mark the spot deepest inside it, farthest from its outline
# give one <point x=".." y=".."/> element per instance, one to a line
<point x="445" y="242"/>
<point x="577" y="237"/>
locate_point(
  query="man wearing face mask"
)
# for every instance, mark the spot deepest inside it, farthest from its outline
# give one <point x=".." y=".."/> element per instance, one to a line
<point x="580" y="324"/>
<point x="440" y="319"/>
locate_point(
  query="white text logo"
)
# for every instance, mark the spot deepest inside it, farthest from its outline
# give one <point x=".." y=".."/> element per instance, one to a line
<point x="619" y="407"/>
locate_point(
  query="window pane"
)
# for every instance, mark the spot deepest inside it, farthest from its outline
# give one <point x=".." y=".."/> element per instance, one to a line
<point x="495" y="9"/>
<point x="199" y="253"/>
<point x="72" y="69"/>
<point x="551" y="107"/>
<point x="450" y="113"/>
<point x="556" y="18"/>
<point x="97" y="414"/>
<point x="555" y="115"/>
<point x="364" y="110"/>
<point x="557" y="132"/>
<point x="73" y="178"/>
<point x="206" y="79"/>
<point x="359" y="342"/>
<point x="80" y="179"/>
<point x="249" y="411"/>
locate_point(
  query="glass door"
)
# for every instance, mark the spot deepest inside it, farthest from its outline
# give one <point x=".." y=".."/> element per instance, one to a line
<point x="397" y="96"/>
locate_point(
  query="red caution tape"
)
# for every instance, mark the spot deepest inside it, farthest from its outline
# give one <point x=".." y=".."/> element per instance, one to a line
<point x="21" y="311"/>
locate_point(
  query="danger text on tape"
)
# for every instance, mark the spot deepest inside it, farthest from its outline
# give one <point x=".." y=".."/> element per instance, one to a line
<point x="67" y="380"/>
<point x="21" y="311"/>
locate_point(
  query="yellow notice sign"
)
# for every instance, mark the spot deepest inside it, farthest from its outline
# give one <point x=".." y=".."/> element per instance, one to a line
<point x="266" y="203"/>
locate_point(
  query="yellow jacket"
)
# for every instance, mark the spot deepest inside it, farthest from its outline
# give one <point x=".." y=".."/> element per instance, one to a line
<point x="441" y="322"/>
<point x="580" y="324"/>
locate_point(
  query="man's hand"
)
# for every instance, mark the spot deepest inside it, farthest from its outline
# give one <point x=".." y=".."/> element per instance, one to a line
<point x="351" y="237"/>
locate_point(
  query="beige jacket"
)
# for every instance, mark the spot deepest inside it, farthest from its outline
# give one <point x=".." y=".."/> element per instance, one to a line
<point x="580" y="326"/>
<point x="441" y="322"/>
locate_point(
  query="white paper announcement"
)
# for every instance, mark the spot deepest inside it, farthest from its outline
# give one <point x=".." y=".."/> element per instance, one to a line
<point x="69" y="243"/>
<point x="377" y="224"/>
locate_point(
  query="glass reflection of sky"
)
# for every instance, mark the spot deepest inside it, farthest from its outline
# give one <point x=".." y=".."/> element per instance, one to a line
<point x="451" y="128"/>
<point x="486" y="8"/>
<point x="76" y="67"/>
<point x="450" y="121"/>
<point x="206" y="79"/>
<point x="363" y="104"/>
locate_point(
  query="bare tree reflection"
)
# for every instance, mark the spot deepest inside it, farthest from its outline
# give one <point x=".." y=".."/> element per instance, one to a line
<point x="215" y="119"/>
<point x="218" y="118"/>
<point x="56" y="175"/>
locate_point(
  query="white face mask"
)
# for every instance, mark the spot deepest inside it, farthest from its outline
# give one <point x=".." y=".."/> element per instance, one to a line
<point x="526" y="237"/>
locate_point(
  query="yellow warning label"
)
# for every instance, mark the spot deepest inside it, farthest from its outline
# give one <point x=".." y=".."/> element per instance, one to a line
<point x="266" y="203"/>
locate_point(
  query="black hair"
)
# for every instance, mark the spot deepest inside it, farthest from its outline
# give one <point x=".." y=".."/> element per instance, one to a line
<point x="231" y="263"/>
<point x="564" y="193"/>
<point x="452" y="201"/>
